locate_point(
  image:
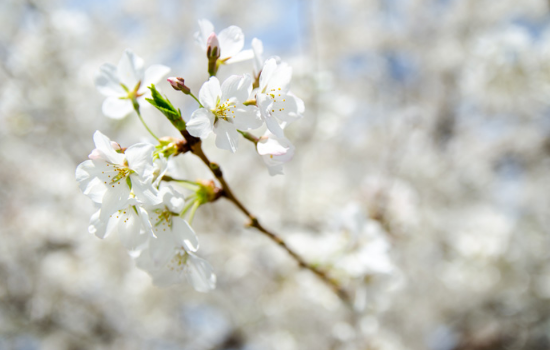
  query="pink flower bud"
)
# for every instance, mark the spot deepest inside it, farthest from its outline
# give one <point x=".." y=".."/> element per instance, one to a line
<point x="115" y="146"/>
<point x="213" y="46"/>
<point x="95" y="154"/>
<point x="178" y="83"/>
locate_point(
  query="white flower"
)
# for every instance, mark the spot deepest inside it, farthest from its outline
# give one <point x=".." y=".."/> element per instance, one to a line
<point x="169" y="258"/>
<point x="131" y="224"/>
<point x="126" y="82"/>
<point x="275" y="151"/>
<point x="274" y="98"/>
<point x="224" y="111"/>
<point x="231" y="42"/>
<point x="182" y="266"/>
<point x="112" y="179"/>
<point x="169" y="229"/>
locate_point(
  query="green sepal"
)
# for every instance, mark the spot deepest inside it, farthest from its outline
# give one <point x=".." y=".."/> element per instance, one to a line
<point x="165" y="106"/>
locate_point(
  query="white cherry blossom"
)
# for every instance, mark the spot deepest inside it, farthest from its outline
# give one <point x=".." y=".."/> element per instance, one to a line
<point x="231" y="42"/>
<point x="112" y="179"/>
<point x="182" y="266"/>
<point x="131" y="224"/>
<point x="274" y="98"/>
<point x="169" y="229"/>
<point x="275" y="152"/>
<point x="125" y="82"/>
<point x="224" y="111"/>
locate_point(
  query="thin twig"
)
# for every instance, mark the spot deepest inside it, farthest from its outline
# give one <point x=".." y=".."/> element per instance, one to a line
<point x="196" y="148"/>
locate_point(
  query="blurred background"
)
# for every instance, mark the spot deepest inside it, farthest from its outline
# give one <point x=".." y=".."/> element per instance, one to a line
<point x="421" y="178"/>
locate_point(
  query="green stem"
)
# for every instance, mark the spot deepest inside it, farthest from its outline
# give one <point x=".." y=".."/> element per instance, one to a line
<point x="136" y="108"/>
<point x="192" y="215"/>
<point x="187" y="207"/>
<point x="249" y="136"/>
<point x="196" y="99"/>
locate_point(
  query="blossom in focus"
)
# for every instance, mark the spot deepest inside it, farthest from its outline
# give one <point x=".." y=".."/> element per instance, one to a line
<point x="231" y="42"/>
<point x="131" y="224"/>
<point x="275" y="151"/>
<point x="224" y="111"/>
<point x="126" y="83"/>
<point x="274" y="99"/>
<point x="112" y="179"/>
<point x="169" y="229"/>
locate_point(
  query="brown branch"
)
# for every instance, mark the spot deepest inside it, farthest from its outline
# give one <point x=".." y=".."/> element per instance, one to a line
<point x="196" y="148"/>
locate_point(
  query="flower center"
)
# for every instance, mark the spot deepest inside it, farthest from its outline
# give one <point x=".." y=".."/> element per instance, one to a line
<point x="179" y="260"/>
<point x="223" y="110"/>
<point x="278" y="98"/>
<point x="162" y="220"/>
<point x="117" y="174"/>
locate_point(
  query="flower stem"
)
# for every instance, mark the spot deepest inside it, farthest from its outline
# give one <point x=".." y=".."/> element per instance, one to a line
<point x="196" y="99"/>
<point x="196" y="205"/>
<point x="136" y="108"/>
<point x="249" y="137"/>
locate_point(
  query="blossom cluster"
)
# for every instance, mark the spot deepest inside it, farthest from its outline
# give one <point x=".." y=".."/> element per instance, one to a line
<point x="126" y="184"/>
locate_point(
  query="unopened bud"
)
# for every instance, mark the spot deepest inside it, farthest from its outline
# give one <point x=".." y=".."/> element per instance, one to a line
<point x="179" y="84"/>
<point x="212" y="47"/>
<point x="115" y="146"/>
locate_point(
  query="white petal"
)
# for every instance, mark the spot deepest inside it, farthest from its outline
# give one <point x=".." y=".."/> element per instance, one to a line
<point x="267" y="72"/>
<point x="140" y="159"/>
<point x="89" y="183"/>
<point x="106" y="81"/>
<point x="200" y="274"/>
<point x="244" y="55"/>
<point x="129" y="230"/>
<point x="247" y="117"/>
<point x="161" y="248"/>
<point x="98" y="227"/>
<point x="258" y="50"/>
<point x="115" y="198"/>
<point x="144" y="191"/>
<point x="116" y="108"/>
<point x="237" y="86"/>
<point x="130" y="69"/>
<point x="173" y="200"/>
<point x="200" y="124"/>
<point x="273" y="126"/>
<point x="227" y="136"/>
<point x="231" y="41"/>
<point x="184" y="234"/>
<point x="160" y="167"/>
<point x="299" y="103"/>
<point x="286" y="108"/>
<point x="280" y="79"/>
<point x="210" y="93"/>
<point x="105" y="149"/>
<point x="272" y="146"/>
<point x="265" y="105"/>
<point x="205" y="29"/>
<point x="145" y="223"/>
<point x="153" y="75"/>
